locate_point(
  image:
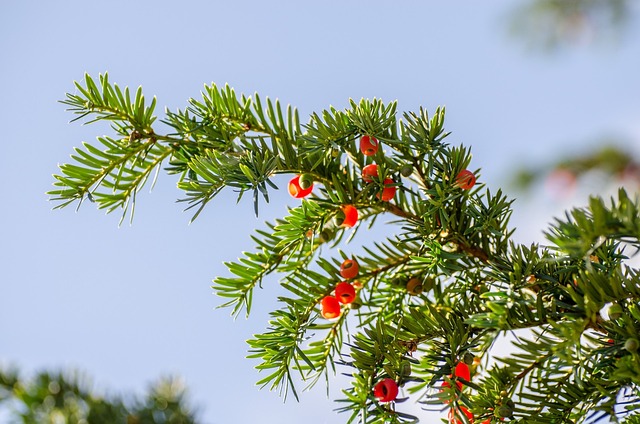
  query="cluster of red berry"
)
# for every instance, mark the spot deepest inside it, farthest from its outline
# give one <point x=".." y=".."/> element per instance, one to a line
<point x="370" y="172"/>
<point x="461" y="372"/>
<point x="344" y="292"/>
<point x="369" y="147"/>
<point x="301" y="186"/>
<point x="386" y="390"/>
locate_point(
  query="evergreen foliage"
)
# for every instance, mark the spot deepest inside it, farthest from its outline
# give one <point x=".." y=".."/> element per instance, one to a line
<point x="570" y="361"/>
<point x="56" y="397"/>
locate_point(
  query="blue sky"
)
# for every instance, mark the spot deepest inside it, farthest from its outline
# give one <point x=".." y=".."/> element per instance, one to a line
<point x="129" y="304"/>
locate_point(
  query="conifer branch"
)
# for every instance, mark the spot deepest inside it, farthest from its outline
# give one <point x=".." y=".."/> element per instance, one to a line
<point x="424" y="301"/>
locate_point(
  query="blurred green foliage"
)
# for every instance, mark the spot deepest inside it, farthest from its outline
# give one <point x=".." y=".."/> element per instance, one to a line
<point x="552" y="24"/>
<point x="66" y="397"/>
<point x="612" y="161"/>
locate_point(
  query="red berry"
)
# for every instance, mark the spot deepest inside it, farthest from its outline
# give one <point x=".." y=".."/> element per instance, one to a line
<point x="465" y="179"/>
<point x="369" y="172"/>
<point x="462" y="371"/>
<point x="349" y="269"/>
<point x="296" y="191"/>
<point x="330" y="307"/>
<point x="348" y="216"/>
<point x="368" y="145"/>
<point x="388" y="191"/>
<point x="345" y="293"/>
<point x="386" y="390"/>
<point x="454" y="415"/>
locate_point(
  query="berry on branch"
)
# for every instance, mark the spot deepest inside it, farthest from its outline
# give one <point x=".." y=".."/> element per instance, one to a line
<point x="347" y="216"/>
<point x="345" y="293"/>
<point x="468" y="358"/>
<point x="465" y="179"/>
<point x="405" y="368"/>
<point x="388" y="191"/>
<point x="505" y="410"/>
<point x="369" y="172"/>
<point x="414" y="286"/>
<point x="406" y="170"/>
<point x="368" y="145"/>
<point x="330" y="307"/>
<point x="296" y="189"/>
<point x="349" y="269"/>
<point x="386" y="390"/>
<point x="461" y="371"/>
<point x="454" y="417"/>
<point x="631" y="345"/>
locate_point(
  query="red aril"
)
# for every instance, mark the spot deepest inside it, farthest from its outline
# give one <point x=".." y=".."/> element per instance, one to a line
<point x="465" y="179"/>
<point x="296" y="190"/>
<point x="389" y="190"/>
<point x="368" y="145"/>
<point x="345" y="293"/>
<point x="347" y="216"/>
<point x="454" y="415"/>
<point x="330" y="307"/>
<point x="349" y="269"/>
<point x="369" y="172"/>
<point x="386" y="390"/>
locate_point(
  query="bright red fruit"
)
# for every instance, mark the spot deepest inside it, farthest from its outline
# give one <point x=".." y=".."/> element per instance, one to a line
<point x="350" y="216"/>
<point x="465" y="179"/>
<point x="345" y="293"/>
<point x="388" y="191"/>
<point x="386" y="390"/>
<point x="296" y="191"/>
<point x="455" y="414"/>
<point x="369" y="172"/>
<point x="462" y="371"/>
<point x="349" y="269"/>
<point x="330" y="307"/>
<point x="368" y="145"/>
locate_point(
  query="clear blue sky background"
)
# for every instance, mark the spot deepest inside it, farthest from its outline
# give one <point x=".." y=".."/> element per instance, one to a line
<point x="129" y="304"/>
